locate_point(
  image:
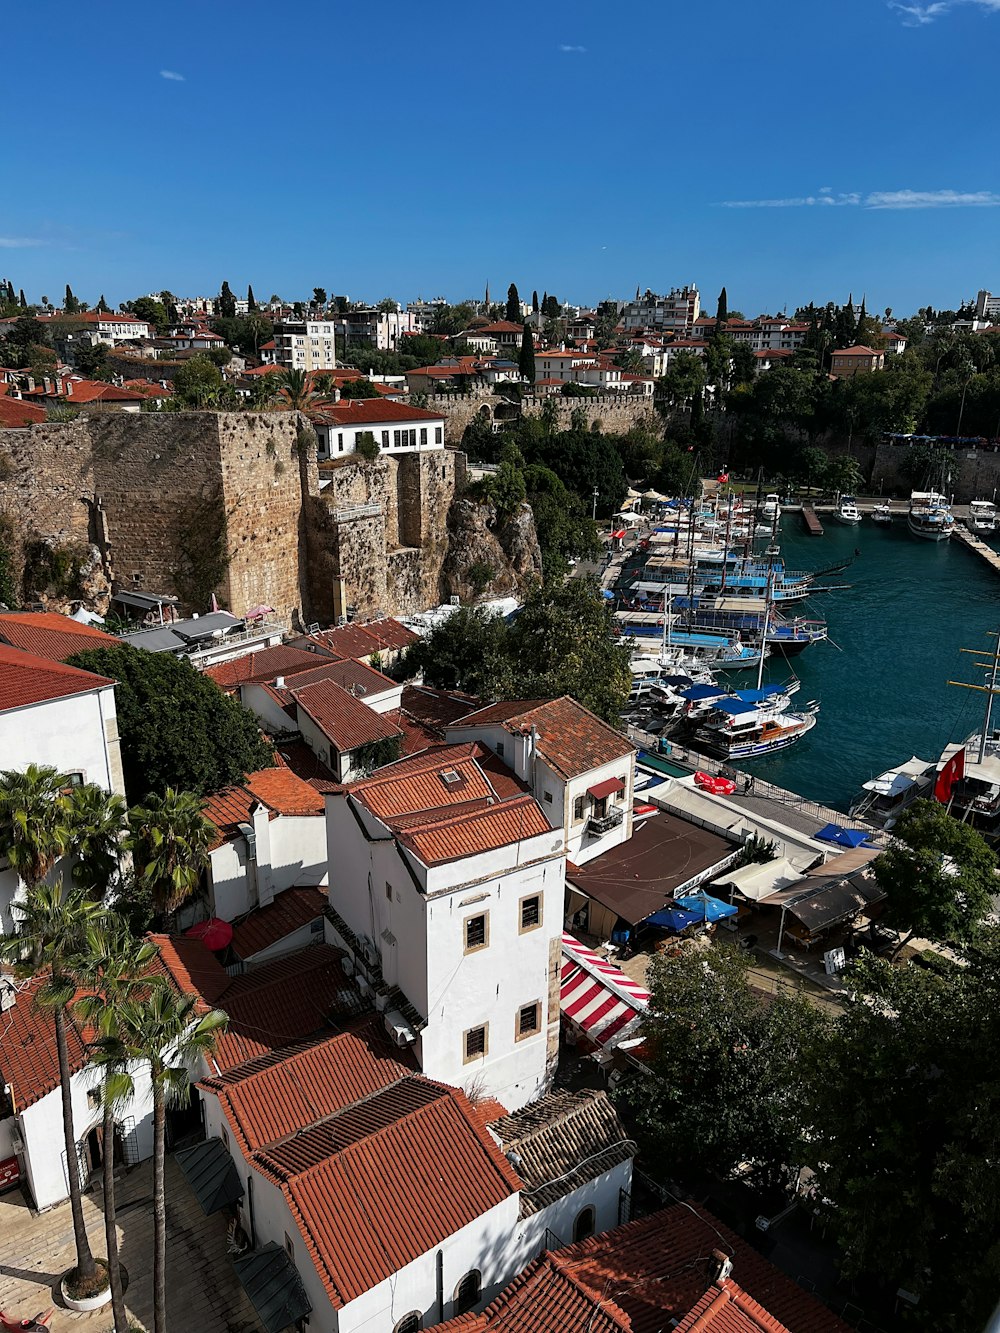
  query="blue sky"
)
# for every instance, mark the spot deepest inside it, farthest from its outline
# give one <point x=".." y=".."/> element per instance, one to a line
<point x="791" y="149"/>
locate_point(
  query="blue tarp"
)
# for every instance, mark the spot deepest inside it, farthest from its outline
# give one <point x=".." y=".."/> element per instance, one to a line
<point x="672" y="918"/>
<point x="705" y="907"/>
<point x="703" y="692"/>
<point x="758" y="696"/>
<point x="735" y="707"/>
<point x="607" y="594"/>
<point x="843" y="837"/>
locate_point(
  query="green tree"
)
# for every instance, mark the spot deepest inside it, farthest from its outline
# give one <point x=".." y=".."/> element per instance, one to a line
<point x="388" y="305"/>
<point x="468" y="651"/>
<point x="22" y="301"/>
<point x="938" y="875"/>
<point x="92" y="360"/>
<point x="296" y="385"/>
<point x="71" y="305"/>
<point x="685" y="377"/>
<point x="165" y="1032"/>
<point x="367" y="446"/>
<point x="727" y="1081"/>
<point x="359" y="389"/>
<point x="102" y="305"/>
<point x="319" y="297"/>
<point x="843" y="474"/>
<point x="34" y="821"/>
<point x="198" y="382"/>
<point x="722" y="312"/>
<point x="513" y="312"/>
<point x="169" y="844"/>
<point x="152" y="311"/>
<point x="507" y="489"/>
<point x="251" y="303"/>
<point x="51" y="930"/>
<point x="226" y="304"/>
<point x="97" y="821"/>
<point x="526" y="356"/>
<point x="177" y="727"/>
<point x="534" y="301"/>
<point x="742" y="365"/>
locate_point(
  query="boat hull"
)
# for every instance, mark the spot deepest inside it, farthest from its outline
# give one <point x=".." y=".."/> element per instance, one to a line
<point x="847" y="520"/>
<point x="935" y="534"/>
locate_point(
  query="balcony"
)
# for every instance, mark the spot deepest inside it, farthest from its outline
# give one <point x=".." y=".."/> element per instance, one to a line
<point x="600" y="824"/>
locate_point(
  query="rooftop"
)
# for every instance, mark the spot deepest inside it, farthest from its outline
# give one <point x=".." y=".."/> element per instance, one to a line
<point x="27" y="679"/>
<point x="291" y="909"/>
<point x="47" y="634"/>
<point x="358" y="641"/>
<point x="570" y="738"/>
<point x="29" y="1062"/>
<point x="279" y="789"/>
<point x="344" y="720"/>
<point x="264" y="665"/>
<point x="361" y="412"/>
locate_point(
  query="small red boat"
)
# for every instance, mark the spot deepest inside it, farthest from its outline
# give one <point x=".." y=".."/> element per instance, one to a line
<point x="39" y="1324"/>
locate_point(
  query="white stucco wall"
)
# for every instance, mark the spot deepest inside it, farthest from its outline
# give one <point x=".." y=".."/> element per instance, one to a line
<point x="67" y="734"/>
<point x="290" y="849"/>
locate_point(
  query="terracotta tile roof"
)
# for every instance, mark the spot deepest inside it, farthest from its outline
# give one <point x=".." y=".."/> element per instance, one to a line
<point x="453" y="836"/>
<point x="95" y="391"/>
<point x="416" y="785"/>
<point x="26" y="679"/>
<point x="641" y="1277"/>
<point x="192" y="968"/>
<point x="355" y="677"/>
<point x="501" y="326"/>
<point x="435" y="709"/>
<point x="284" y="792"/>
<point x="264" y="665"/>
<point x="358" y="641"/>
<point x="344" y="720"/>
<point x="149" y="388"/>
<point x="562" y="1141"/>
<point x="227" y="809"/>
<point x="360" y="412"/>
<point x="855" y="351"/>
<point x="415" y="736"/>
<point x="291" y="909"/>
<point x="47" y="634"/>
<point x="570" y="738"/>
<point x="297" y="756"/>
<point x="15" y="412"/>
<point x="29" y="1062"/>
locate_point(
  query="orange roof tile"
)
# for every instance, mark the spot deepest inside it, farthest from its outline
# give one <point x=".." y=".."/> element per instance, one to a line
<point x="355" y="677"/>
<point x="570" y="738"/>
<point x="360" y="412"/>
<point x="29" y="1062"/>
<point x="344" y="720"/>
<point x="15" y="412"/>
<point x="27" y="679"/>
<point x="192" y="968"/>
<point x="469" y="833"/>
<point x="47" y="634"/>
<point x="265" y="665"/>
<point x="416" y="785"/>
<point x="284" y="792"/>
<point x="291" y="909"/>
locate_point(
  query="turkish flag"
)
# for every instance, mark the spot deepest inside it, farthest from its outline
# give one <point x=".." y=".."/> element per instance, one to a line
<point x="951" y="773"/>
<point x="723" y="478"/>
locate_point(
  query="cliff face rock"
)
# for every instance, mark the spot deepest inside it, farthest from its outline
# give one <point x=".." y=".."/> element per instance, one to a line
<point x="488" y="558"/>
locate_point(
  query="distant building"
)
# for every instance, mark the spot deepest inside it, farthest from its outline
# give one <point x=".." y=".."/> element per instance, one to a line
<point x="859" y="360"/>
<point x="987" y="306"/>
<point x="396" y="427"/>
<point x="676" y="312"/>
<point x="305" y="344"/>
<point x="381" y="328"/>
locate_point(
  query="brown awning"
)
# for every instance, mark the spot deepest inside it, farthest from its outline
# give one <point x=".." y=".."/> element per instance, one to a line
<point x="606" y="788"/>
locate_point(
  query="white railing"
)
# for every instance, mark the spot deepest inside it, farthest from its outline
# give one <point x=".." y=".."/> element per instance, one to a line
<point x="349" y="512"/>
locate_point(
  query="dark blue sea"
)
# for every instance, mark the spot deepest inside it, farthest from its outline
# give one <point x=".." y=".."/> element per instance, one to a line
<point x="895" y="635"/>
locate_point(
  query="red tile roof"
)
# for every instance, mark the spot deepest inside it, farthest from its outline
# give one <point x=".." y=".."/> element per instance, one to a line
<point x="14" y="412"/>
<point x="264" y="665"/>
<point x="361" y="412"/>
<point x="29" y="1062"/>
<point x="642" y="1276"/>
<point x="297" y="756"/>
<point x="292" y="909"/>
<point x="281" y="790"/>
<point x="355" y="677"/>
<point x="360" y="641"/>
<point x="149" y="388"/>
<point x="27" y="679"/>
<point x="416" y="786"/>
<point x="47" y="634"/>
<point x="192" y="968"/>
<point x="501" y="326"/>
<point x="435" y="709"/>
<point x="451" y="837"/>
<point x="856" y="351"/>
<point x="344" y="720"/>
<point x="570" y="738"/>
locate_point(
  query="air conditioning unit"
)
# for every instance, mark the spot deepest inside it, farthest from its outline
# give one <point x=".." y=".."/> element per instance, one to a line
<point x="454" y="601"/>
<point x="347" y="963"/>
<point x="398" y="1028"/>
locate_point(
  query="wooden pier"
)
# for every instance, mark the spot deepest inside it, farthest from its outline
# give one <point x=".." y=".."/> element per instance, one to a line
<point x="813" y="526"/>
<point x="961" y="533"/>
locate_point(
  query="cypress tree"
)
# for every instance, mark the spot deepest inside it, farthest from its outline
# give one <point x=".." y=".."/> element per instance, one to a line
<point x="11" y="294"/>
<point x="545" y="303"/>
<point x="722" y="312"/>
<point x="24" y="303"/>
<point x="534" y="302"/>
<point x="251" y="303"/>
<point x="70" y="304"/>
<point x="513" y="304"/>
<point x="102" y="305"/>
<point x="526" y="357"/>
<point x="227" y="302"/>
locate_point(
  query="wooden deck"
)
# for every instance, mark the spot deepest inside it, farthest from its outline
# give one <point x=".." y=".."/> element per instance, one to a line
<point x="961" y="533"/>
<point x="813" y="526"/>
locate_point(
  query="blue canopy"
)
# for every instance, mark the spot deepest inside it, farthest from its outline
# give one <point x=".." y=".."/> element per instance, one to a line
<point x="843" y="837"/>
<point x="607" y="594"/>
<point x="705" y="907"/>
<point x="758" y="696"/>
<point x="735" y="707"/>
<point x="703" y="692"/>
<point x="672" y="918"/>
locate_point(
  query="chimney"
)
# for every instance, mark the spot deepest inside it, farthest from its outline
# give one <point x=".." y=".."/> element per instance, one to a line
<point x="279" y="682"/>
<point x="720" y="1266"/>
<point x="68" y="387"/>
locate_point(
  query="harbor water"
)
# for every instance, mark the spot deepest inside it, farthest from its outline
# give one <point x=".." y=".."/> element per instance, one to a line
<point x="895" y="635"/>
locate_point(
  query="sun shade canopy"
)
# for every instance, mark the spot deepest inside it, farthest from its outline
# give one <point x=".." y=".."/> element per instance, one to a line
<point x="212" y="1174"/>
<point x="269" y="1278"/>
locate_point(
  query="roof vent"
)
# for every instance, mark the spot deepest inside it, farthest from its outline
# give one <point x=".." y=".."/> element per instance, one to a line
<point x="451" y="778"/>
<point x="720" y="1265"/>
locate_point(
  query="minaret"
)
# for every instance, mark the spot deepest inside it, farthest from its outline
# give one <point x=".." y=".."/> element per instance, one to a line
<point x="486" y="299"/>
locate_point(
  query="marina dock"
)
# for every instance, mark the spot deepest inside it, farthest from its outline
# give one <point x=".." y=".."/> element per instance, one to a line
<point x="813" y="526"/>
<point x="970" y="540"/>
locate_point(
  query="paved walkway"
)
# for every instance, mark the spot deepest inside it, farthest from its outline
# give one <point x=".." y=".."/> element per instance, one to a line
<point x="202" y="1291"/>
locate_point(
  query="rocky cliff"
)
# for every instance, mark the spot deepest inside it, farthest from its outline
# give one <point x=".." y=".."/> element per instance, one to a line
<point x="487" y="557"/>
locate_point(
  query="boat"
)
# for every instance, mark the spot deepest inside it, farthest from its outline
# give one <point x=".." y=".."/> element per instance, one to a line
<point x="929" y="516"/>
<point x="752" y="620"/>
<point x="982" y="516"/>
<point x="885" y="797"/>
<point x="847" y="511"/>
<point x="883" y="513"/>
<point x="738" y="730"/>
<point x="771" y="505"/>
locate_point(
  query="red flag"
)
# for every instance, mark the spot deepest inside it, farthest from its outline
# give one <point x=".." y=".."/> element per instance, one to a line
<point x="723" y="478"/>
<point x="953" y="771"/>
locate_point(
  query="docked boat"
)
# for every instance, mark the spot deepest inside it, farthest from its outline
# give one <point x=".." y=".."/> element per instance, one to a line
<point x="737" y="730"/>
<point x="847" y="511"/>
<point x="884" y="798"/>
<point x="982" y="516"/>
<point x="771" y="505"/>
<point x="883" y="513"/>
<point x="929" y="516"/>
<point x="751" y="619"/>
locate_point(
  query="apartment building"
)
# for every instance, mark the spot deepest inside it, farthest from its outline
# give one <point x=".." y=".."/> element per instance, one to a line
<point x="305" y="344"/>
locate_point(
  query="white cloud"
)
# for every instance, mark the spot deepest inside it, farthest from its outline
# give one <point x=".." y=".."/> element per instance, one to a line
<point x="172" y="75"/>
<point x="878" y="199"/>
<point x="573" y="50"/>
<point x="18" y="242"/>
<point x="918" y="15"/>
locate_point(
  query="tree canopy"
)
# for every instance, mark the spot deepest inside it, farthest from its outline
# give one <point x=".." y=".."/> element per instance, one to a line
<point x="177" y="727"/>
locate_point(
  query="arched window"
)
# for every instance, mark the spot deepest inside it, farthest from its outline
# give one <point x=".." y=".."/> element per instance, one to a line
<point x="468" y="1291"/>
<point x="410" y="1323"/>
<point x="584" y="1224"/>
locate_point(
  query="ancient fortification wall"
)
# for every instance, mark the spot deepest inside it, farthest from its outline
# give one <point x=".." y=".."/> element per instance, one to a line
<point x="614" y="412"/>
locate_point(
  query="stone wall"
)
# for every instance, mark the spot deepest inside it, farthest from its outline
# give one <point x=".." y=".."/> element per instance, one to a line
<point x="616" y="413"/>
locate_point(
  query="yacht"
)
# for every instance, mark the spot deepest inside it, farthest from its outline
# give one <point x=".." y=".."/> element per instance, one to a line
<point x="982" y="516"/>
<point x="929" y="516"/>
<point x="883" y="513"/>
<point x="847" y="511"/>
<point x="742" y="730"/>
<point x="883" y="798"/>
<point x="771" y="505"/>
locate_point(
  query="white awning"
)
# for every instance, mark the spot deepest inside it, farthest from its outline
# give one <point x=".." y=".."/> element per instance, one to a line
<point x="758" y="880"/>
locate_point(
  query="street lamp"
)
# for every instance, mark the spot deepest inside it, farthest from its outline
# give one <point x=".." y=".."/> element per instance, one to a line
<point x="594" y="512"/>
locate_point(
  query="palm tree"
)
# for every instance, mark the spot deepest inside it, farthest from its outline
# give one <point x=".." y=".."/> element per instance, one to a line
<point x="117" y="964"/>
<point x="98" y="821"/>
<point x="164" y="1031"/>
<point x="264" y="390"/>
<point x="34" y="830"/>
<point x="169" y="842"/>
<point x="296" y="387"/>
<point x="52" y="926"/>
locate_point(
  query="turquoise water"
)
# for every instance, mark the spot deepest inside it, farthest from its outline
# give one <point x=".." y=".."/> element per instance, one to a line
<point x="883" y="688"/>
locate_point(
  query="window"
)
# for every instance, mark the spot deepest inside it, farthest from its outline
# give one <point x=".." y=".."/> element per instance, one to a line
<point x="410" y="1323"/>
<point x="531" y="912"/>
<point x="477" y="932"/>
<point x="225" y="1140"/>
<point x="529" y="1020"/>
<point x="423" y="434"/>
<point x="477" y="1042"/>
<point x="500" y="748"/>
<point x="340" y="441"/>
<point x="385" y="439"/>
<point x="438" y="434"/>
<point x="467" y="1292"/>
<point x="585" y="1224"/>
<point x="93" y="1098"/>
<point x="289" y="1247"/>
<point x="548" y="798"/>
<point x="395" y="437"/>
<point x="388" y="890"/>
<point x="578" y="808"/>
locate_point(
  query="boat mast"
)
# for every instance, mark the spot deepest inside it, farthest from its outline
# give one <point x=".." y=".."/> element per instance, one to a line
<point x="766" y="625"/>
<point x="725" y="545"/>
<point x="993" y="664"/>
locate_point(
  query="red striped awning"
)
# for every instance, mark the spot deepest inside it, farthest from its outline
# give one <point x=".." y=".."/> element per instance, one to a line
<point x="598" y="997"/>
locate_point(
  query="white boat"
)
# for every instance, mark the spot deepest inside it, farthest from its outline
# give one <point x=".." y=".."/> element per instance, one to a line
<point x="847" y="511"/>
<point x="883" y="798"/>
<point x="929" y="516"/>
<point x="982" y="516"/>
<point x="883" y="513"/>
<point x="737" y="730"/>
<point x="771" y="505"/>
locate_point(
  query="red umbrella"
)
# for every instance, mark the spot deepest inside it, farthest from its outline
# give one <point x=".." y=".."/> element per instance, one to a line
<point x="214" y="933"/>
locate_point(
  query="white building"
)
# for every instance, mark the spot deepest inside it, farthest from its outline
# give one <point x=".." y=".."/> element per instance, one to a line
<point x="446" y="883"/>
<point x="987" y="307"/>
<point x="381" y="328"/>
<point x="305" y="344"/>
<point x="580" y="771"/>
<point x="396" y="427"/>
<point x="676" y="312"/>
